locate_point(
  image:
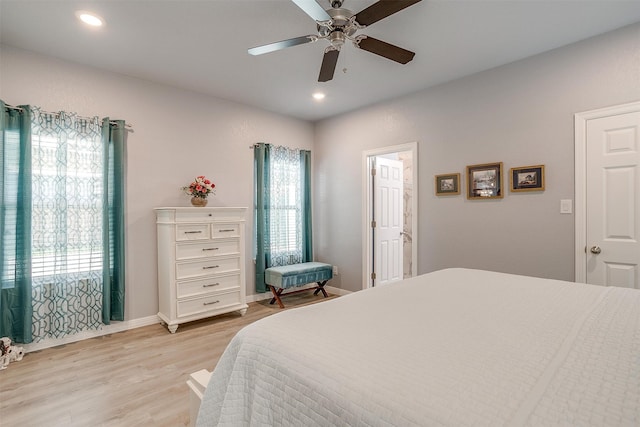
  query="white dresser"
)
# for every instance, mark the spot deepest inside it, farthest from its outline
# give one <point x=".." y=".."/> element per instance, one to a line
<point x="201" y="262"/>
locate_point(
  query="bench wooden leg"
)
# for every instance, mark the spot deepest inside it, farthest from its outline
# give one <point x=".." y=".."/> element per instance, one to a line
<point x="276" y="296"/>
<point x="278" y="292"/>
<point x="321" y="288"/>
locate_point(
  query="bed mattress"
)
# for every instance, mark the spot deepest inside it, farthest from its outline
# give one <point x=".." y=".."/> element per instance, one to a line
<point x="450" y="348"/>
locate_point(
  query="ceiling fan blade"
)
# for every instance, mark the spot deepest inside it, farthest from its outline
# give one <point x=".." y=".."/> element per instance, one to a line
<point x="271" y="47"/>
<point x="328" y="67"/>
<point x="313" y="9"/>
<point x="386" y="50"/>
<point x="381" y="10"/>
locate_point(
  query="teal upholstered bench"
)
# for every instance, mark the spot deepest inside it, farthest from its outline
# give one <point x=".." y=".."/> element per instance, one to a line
<point x="288" y="276"/>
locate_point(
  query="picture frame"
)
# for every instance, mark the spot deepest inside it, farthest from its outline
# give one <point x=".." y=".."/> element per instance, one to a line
<point x="527" y="178"/>
<point x="447" y="184"/>
<point x="484" y="181"/>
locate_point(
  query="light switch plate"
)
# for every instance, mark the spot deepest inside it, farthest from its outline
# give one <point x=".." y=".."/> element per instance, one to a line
<point x="566" y="206"/>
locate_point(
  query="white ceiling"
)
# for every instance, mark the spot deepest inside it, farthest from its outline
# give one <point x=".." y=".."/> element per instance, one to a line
<point x="202" y="45"/>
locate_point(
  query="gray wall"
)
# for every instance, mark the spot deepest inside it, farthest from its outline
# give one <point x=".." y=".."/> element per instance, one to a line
<point x="520" y="114"/>
<point x="176" y="136"/>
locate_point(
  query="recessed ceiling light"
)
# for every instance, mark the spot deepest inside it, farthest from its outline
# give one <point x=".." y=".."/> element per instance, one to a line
<point x="90" y="18"/>
<point x="318" y="96"/>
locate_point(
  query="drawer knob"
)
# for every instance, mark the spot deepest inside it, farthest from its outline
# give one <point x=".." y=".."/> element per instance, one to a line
<point x="211" y="285"/>
<point x="193" y="232"/>
<point x="227" y="230"/>
<point x="211" y="303"/>
<point x="209" y="249"/>
<point x="212" y="266"/>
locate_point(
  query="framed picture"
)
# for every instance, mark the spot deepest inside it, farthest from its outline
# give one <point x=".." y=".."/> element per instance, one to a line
<point x="448" y="184"/>
<point x="527" y="178"/>
<point x="484" y="181"/>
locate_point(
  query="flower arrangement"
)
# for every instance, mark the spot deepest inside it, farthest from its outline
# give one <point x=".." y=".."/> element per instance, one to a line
<point x="201" y="187"/>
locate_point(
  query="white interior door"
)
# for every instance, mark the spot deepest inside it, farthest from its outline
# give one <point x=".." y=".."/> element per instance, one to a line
<point x="613" y="200"/>
<point x="388" y="221"/>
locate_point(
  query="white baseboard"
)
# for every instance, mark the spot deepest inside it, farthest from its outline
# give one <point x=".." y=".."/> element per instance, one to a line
<point x="138" y="323"/>
<point x="269" y="295"/>
<point x="337" y="291"/>
<point x="104" y="330"/>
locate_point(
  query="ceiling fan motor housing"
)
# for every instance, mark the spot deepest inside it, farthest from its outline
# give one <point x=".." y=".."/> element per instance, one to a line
<point x="337" y="38"/>
<point x="340" y="28"/>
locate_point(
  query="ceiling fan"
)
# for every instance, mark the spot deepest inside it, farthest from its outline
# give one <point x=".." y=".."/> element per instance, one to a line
<point x="337" y="25"/>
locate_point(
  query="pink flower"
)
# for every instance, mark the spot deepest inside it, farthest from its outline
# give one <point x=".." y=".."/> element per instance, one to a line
<point x="200" y="187"/>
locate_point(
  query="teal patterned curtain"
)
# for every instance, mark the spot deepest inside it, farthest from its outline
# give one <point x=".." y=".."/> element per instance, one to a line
<point x="283" y="208"/>
<point x="73" y="186"/>
<point x="15" y="226"/>
<point x="113" y="143"/>
<point x="67" y="223"/>
<point x="261" y="156"/>
<point x="307" y="230"/>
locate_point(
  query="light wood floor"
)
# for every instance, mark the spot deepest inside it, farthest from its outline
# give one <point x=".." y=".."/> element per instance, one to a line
<point x="132" y="378"/>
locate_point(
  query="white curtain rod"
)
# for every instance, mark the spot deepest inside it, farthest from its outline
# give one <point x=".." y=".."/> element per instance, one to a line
<point x="13" y="107"/>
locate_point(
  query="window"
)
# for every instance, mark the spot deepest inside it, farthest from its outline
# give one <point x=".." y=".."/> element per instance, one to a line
<point x="10" y="199"/>
<point x="67" y="205"/>
<point x="67" y="232"/>
<point x="66" y="197"/>
<point x="282" y="208"/>
<point x="285" y="207"/>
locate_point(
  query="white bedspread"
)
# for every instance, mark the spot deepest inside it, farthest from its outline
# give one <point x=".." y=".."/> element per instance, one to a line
<point x="454" y="347"/>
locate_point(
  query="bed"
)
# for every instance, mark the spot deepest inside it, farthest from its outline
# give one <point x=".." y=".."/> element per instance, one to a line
<point x="450" y="348"/>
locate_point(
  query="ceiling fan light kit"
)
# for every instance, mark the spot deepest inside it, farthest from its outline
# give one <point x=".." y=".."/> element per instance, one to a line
<point x="337" y="25"/>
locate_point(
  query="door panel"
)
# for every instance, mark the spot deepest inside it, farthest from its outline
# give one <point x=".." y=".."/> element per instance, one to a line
<point x="619" y="205"/>
<point x="613" y="201"/>
<point x="388" y="216"/>
<point x="623" y="275"/>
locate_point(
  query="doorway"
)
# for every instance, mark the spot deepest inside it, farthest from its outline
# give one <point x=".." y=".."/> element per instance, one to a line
<point x="389" y="249"/>
<point x="607" y="159"/>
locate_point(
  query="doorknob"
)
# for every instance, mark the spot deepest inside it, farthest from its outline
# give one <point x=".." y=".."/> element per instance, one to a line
<point x="595" y="250"/>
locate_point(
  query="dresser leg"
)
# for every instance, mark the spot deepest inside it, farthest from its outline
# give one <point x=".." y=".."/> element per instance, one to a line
<point x="242" y="311"/>
<point x="172" y="328"/>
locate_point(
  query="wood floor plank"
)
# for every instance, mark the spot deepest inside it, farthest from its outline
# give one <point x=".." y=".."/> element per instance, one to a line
<point x="132" y="378"/>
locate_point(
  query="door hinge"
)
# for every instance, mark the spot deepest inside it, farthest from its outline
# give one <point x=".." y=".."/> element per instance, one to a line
<point x="373" y="276"/>
<point x="373" y="172"/>
<point x="373" y="224"/>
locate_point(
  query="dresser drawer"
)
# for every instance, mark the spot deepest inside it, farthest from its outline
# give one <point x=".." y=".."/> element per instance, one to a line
<point x="192" y="232"/>
<point x="194" y="215"/>
<point x="207" y="286"/>
<point x="225" y="230"/>
<point x="207" y="249"/>
<point x="208" y="267"/>
<point x="208" y="303"/>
